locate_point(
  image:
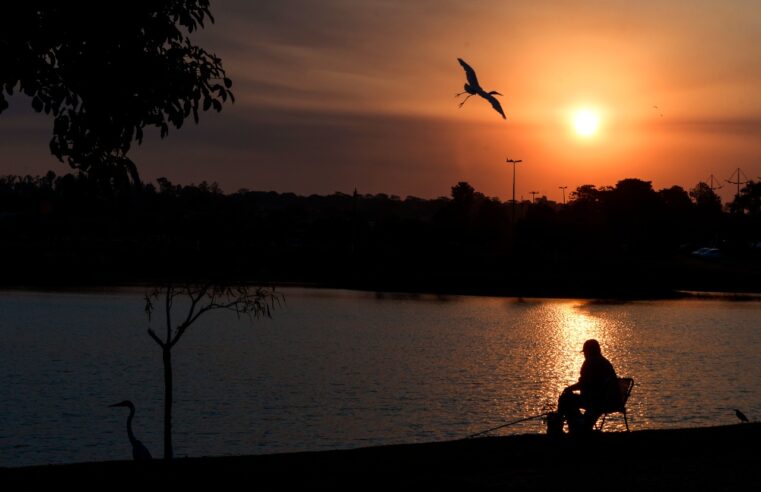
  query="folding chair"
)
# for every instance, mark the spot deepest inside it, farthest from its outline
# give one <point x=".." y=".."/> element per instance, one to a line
<point x="625" y="386"/>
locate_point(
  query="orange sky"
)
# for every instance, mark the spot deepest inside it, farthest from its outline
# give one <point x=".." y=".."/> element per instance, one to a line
<point x="343" y="93"/>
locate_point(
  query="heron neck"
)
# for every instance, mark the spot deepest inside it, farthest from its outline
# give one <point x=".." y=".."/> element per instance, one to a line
<point x="129" y="425"/>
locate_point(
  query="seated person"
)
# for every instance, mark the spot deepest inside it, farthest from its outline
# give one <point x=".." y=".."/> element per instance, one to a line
<point x="597" y="387"/>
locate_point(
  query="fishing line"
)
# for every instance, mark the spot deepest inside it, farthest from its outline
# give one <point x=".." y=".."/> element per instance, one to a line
<point x="508" y="424"/>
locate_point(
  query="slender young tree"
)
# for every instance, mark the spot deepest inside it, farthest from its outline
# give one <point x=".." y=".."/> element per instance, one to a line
<point x="105" y="71"/>
<point x="182" y="306"/>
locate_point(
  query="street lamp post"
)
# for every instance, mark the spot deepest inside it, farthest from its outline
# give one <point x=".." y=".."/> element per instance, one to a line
<point x="513" y="162"/>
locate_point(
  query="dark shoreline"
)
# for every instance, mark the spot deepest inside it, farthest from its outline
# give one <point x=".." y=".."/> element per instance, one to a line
<point x="705" y="458"/>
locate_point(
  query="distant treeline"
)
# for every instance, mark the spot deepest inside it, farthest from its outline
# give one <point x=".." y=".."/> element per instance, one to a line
<point x="624" y="240"/>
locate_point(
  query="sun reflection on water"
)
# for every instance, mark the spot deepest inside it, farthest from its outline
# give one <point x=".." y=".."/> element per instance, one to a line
<point x="565" y="326"/>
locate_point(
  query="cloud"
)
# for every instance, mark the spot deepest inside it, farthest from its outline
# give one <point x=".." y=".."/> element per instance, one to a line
<point x="311" y="152"/>
<point x="738" y="127"/>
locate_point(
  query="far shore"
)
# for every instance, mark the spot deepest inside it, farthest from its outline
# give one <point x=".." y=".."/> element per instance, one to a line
<point x="706" y="458"/>
<point x="393" y="290"/>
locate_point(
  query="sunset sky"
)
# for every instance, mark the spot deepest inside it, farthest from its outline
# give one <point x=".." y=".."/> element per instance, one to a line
<point x="337" y="94"/>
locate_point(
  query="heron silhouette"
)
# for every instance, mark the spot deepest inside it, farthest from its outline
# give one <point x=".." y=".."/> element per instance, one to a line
<point x="139" y="451"/>
<point x="473" y="88"/>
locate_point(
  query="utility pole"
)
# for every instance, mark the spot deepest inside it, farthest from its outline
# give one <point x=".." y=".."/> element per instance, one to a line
<point x="533" y="196"/>
<point x="739" y="180"/>
<point x="563" y="188"/>
<point x="712" y="186"/>
<point x="513" y="162"/>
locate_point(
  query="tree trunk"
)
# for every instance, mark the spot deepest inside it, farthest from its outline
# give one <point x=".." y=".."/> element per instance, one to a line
<point x="168" y="404"/>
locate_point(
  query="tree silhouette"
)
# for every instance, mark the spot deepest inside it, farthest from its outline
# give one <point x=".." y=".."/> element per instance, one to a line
<point x="107" y="70"/>
<point x="676" y="199"/>
<point x="463" y="194"/>
<point x="69" y="230"/>
<point x="705" y="198"/>
<point x="749" y="199"/>
<point x="194" y="300"/>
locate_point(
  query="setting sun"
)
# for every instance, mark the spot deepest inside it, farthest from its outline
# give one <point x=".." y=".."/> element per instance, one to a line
<point x="586" y="122"/>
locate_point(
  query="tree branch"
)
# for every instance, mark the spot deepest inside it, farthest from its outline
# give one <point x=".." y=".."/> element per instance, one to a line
<point x="194" y="301"/>
<point x="156" y="338"/>
<point x="190" y="319"/>
<point x="241" y="299"/>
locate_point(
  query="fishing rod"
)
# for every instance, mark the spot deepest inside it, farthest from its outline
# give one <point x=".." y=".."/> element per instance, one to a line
<point x="508" y="424"/>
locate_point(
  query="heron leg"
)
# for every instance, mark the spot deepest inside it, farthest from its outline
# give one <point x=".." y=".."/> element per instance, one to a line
<point x="460" y="94"/>
<point x="463" y="101"/>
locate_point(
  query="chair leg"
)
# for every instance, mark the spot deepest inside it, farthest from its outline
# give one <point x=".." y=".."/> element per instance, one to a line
<point x="626" y="421"/>
<point x="602" y="423"/>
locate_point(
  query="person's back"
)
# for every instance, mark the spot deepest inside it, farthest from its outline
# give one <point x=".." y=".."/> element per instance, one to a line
<point x="598" y="383"/>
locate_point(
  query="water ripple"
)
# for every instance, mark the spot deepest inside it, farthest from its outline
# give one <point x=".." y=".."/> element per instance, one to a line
<point x="342" y="369"/>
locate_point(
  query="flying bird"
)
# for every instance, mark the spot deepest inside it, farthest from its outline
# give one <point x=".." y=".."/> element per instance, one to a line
<point x="473" y="88"/>
<point x="139" y="452"/>
<point x="741" y="416"/>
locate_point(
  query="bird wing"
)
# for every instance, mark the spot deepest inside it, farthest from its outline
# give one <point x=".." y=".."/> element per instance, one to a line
<point x="469" y="73"/>
<point x="495" y="104"/>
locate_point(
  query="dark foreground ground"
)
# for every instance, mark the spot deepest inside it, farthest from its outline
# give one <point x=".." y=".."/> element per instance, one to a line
<point x="714" y="458"/>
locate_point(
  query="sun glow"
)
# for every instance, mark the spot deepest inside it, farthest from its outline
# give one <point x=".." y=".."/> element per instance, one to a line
<point x="586" y="122"/>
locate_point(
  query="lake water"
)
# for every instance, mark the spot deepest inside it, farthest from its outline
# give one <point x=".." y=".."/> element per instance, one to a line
<point x="343" y="369"/>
